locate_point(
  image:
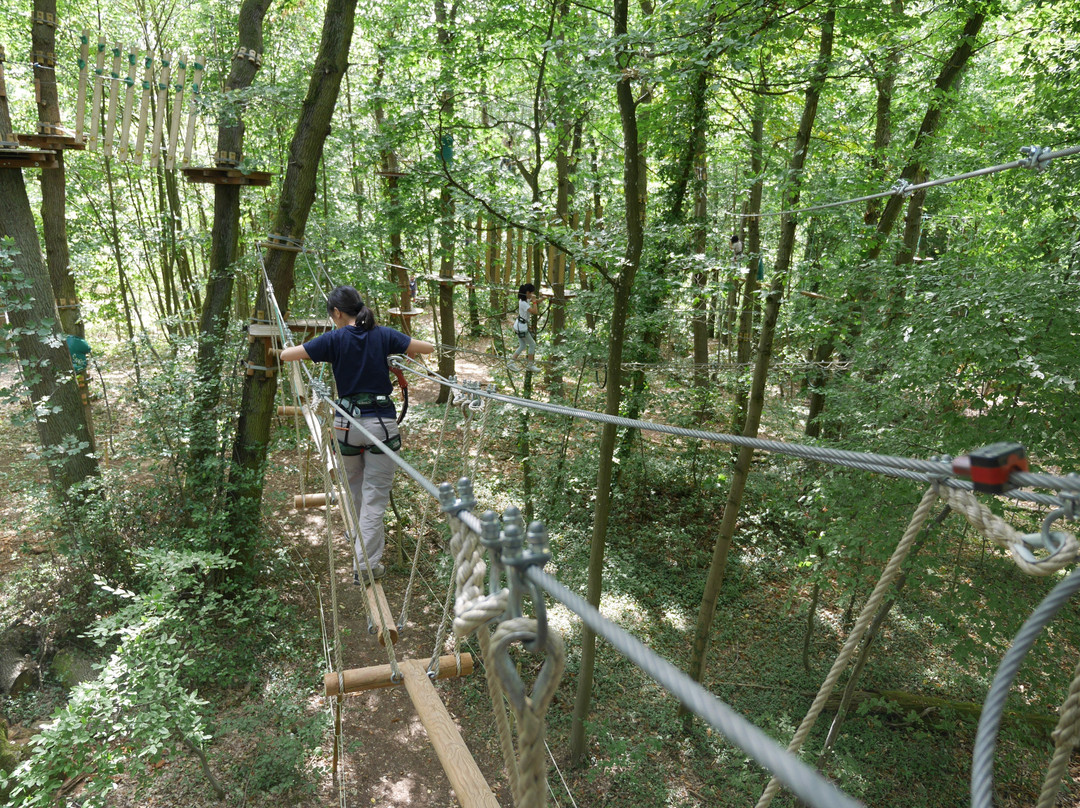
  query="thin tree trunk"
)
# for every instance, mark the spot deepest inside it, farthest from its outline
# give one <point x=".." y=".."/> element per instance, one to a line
<point x="635" y="218"/>
<point x="294" y="204"/>
<point x="785" y="249"/>
<point x="224" y="249"/>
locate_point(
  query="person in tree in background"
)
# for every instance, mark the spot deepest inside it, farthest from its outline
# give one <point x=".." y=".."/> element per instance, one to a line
<point x="527" y="307"/>
<point x="357" y="350"/>
<point x="79" y="350"/>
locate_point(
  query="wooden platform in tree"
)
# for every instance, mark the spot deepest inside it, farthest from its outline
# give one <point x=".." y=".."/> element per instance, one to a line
<point x="568" y="294"/>
<point x="223" y="175"/>
<point x="397" y="312"/>
<point x="27" y="158"/>
<point x="456" y="280"/>
<point x="54" y="142"/>
<point x="305" y="326"/>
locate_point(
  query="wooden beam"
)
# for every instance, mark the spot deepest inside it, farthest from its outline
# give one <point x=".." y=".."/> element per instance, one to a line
<point x="84" y="68"/>
<point x="380" y="612"/>
<point x="95" y="104"/>
<point x="159" y="113"/>
<point x="114" y="100"/>
<point x="144" y="106"/>
<point x="289" y="410"/>
<point x="465" y="776"/>
<point x="196" y="88"/>
<point x="129" y="103"/>
<point x="177" y="112"/>
<point x="357" y="680"/>
<point x="302" y="501"/>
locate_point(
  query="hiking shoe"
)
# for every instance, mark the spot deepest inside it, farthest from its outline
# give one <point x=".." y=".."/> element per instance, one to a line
<point x="512" y="367"/>
<point x="533" y="367"/>
<point x="378" y="571"/>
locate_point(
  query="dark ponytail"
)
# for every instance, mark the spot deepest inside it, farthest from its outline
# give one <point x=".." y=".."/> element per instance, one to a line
<point x="347" y="300"/>
<point x="523" y="292"/>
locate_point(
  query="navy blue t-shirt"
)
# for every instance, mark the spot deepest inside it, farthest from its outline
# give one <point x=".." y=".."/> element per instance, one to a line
<point x="358" y="358"/>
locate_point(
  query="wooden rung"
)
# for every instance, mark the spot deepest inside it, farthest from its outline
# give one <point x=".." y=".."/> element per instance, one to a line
<point x="380" y="612"/>
<point x="456" y="280"/>
<point x="302" y="501"/>
<point x="290" y="410"/>
<point x="465" y="776"/>
<point x="358" y="680"/>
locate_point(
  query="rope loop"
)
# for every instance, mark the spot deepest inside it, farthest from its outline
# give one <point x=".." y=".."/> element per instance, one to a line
<point x="529" y="707"/>
<point x="1063" y="547"/>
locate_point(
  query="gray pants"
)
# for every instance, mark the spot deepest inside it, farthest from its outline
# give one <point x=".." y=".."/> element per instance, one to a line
<point x="370" y="478"/>
<point x="526" y="343"/>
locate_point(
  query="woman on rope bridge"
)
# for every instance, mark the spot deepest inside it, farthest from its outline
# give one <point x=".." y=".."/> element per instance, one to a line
<point x="526" y="306"/>
<point x="357" y="350"/>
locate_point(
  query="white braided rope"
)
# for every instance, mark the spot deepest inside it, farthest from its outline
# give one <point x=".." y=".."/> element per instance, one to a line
<point x="1065" y="737"/>
<point x="473" y="610"/>
<point x="530" y="709"/>
<point x="1007" y="537"/>
<point x="892" y="569"/>
<point x="472" y="607"/>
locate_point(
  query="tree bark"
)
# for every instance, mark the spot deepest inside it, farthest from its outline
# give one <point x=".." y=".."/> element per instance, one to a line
<point x="785" y="250"/>
<point x="635" y="219"/>
<point x="294" y="204"/>
<point x="224" y="246"/>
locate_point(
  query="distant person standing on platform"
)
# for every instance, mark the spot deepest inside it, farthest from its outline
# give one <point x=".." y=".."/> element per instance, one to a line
<point x="527" y="307"/>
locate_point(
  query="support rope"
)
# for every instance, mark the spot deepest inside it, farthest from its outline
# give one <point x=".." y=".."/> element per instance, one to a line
<point x="892" y="569"/>
<point x="1065" y="738"/>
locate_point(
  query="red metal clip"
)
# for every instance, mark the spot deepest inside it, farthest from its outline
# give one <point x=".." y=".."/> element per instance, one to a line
<point x="989" y="467"/>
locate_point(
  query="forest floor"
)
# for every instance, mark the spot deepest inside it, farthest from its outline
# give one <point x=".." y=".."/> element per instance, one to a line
<point x="639" y="756"/>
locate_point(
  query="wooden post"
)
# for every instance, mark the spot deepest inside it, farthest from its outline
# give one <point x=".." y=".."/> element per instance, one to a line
<point x="159" y="113"/>
<point x="357" y="680"/>
<point x="465" y="776"/>
<point x="114" y="100"/>
<point x="84" y="67"/>
<point x="508" y="268"/>
<point x="380" y="612"/>
<point x="177" y="111"/>
<point x="129" y="102"/>
<point x="144" y="106"/>
<point x="95" y="104"/>
<point x="573" y="261"/>
<point x="193" y="108"/>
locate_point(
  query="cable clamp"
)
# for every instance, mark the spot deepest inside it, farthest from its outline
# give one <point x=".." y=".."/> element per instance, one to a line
<point x="319" y="389"/>
<point x="901" y="188"/>
<point x="517" y="560"/>
<point x="464" y="501"/>
<point x="1034" y="154"/>
<point x="989" y="467"/>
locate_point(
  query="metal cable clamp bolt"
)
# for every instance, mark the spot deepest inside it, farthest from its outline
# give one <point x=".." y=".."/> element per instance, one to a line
<point x="901" y="188"/>
<point x="1034" y="157"/>
<point x="465" y="501"/>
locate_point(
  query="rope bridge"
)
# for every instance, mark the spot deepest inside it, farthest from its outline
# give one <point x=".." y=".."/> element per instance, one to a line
<point x="513" y="573"/>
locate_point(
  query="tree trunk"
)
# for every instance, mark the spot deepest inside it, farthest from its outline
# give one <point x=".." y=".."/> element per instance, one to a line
<point x="294" y="204"/>
<point x="225" y="239"/>
<point x="47" y="371"/>
<point x="785" y="250"/>
<point x="446" y="204"/>
<point x="635" y="218"/>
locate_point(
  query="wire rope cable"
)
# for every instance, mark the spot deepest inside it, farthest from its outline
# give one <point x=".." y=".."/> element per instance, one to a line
<point x="1035" y="158"/>
<point x="982" y="762"/>
<point x="804" y="781"/>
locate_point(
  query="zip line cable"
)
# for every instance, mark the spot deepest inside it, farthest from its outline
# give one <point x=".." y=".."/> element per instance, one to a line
<point x="1035" y="158"/>
<point x="909" y="468"/>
